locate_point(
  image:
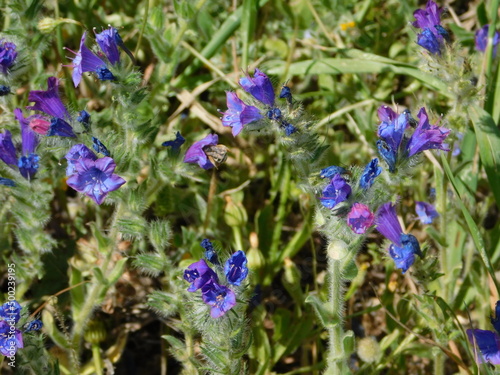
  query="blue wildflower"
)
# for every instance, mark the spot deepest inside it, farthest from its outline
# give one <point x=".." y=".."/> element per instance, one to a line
<point x="371" y="171"/>
<point x="289" y="128"/>
<point x="404" y="247"/>
<point x="337" y="191"/>
<point x="433" y="34"/>
<point x="34" y="325"/>
<point x="7" y="182"/>
<point x="427" y="136"/>
<point x="495" y="321"/>
<point x="84" y="118"/>
<point x="286" y="93"/>
<point x="99" y="147"/>
<point x="11" y="338"/>
<point x="331" y="171"/>
<point x="219" y="297"/>
<point x="75" y="155"/>
<point x="488" y="343"/>
<point x="176" y="143"/>
<point x="4" y="90"/>
<point x="109" y="40"/>
<point x="7" y="149"/>
<point x="404" y="255"/>
<point x="274" y="114"/>
<point x="426" y="212"/>
<point x="210" y="253"/>
<point x="86" y="61"/>
<point x="196" y="153"/>
<point x="199" y="274"/>
<point x="28" y="165"/>
<point x="61" y="128"/>
<point x="238" y="114"/>
<point x="48" y="101"/>
<point x="8" y="55"/>
<point x="236" y="269"/>
<point x="94" y="178"/>
<point x="260" y="87"/>
<point x="481" y="39"/>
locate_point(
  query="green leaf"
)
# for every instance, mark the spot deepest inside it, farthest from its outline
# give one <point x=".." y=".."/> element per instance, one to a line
<point x="488" y="137"/>
<point x="326" y="318"/>
<point x="357" y="66"/>
<point x="99" y="276"/>
<point x="473" y="228"/>
<point x="117" y="271"/>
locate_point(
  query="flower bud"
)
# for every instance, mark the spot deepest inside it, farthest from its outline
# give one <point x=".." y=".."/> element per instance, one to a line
<point x="369" y="350"/>
<point x="95" y="332"/>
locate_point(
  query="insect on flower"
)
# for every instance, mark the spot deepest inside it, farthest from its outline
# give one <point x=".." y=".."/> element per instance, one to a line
<point x="216" y="154"/>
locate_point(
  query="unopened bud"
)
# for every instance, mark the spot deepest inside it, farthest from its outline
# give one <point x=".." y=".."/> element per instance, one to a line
<point x="369" y="350"/>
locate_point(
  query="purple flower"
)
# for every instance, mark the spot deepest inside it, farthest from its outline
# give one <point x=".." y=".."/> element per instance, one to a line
<point x="360" y="218"/>
<point x="176" y="143"/>
<point x="49" y="101"/>
<point x="331" y="171"/>
<point x="481" y="39"/>
<point x="10" y="339"/>
<point x="87" y="61"/>
<point x="260" y="87"/>
<point x="199" y="274"/>
<point x="219" y="297"/>
<point x="372" y="170"/>
<point x="109" y="40"/>
<point x="236" y="269"/>
<point x="404" y="247"/>
<point x="196" y="154"/>
<point x="488" y="343"/>
<point x="8" y="55"/>
<point x="210" y="252"/>
<point x="7" y="149"/>
<point x="427" y="136"/>
<point x="74" y="156"/>
<point x="388" y="224"/>
<point x="338" y="190"/>
<point x="28" y="161"/>
<point x="95" y="178"/>
<point x="433" y="34"/>
<point x="238" y="114"/>
<point x="426" y="212"/>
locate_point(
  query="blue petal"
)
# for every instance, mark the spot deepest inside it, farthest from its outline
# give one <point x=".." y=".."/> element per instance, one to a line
<point x="60" y="127"/>
<point x="99" y="147"/>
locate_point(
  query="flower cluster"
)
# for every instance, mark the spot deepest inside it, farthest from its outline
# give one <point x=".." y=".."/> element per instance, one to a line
<point x="27" y="163"/>
<point x="404" y="247"/>
<point x="359" y="217"/>
<point x="395" y="147"/>
<point x="87" y="61"/>
<point x="260" y="87"/>
<point x="219" y="297"/>
<point x="50" y="103"/>
<point x="89" y="175"/>
<point x="11" y="338"/>
<point x="433" y="35"/>
<point x="487" y="343"/>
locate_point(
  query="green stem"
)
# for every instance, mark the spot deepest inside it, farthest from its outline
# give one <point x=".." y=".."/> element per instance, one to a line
<point x="96" y="355"/>
<point x="336" y="357"/>
<point x="97" y="289"/>
<point x="238" y="238"/>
